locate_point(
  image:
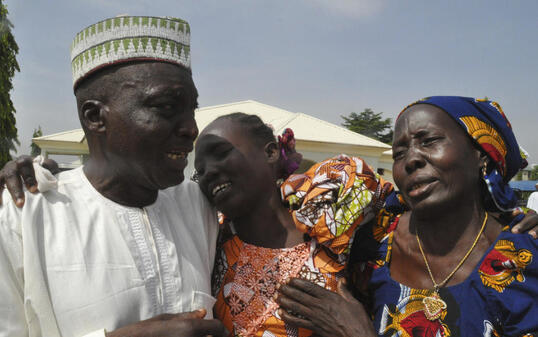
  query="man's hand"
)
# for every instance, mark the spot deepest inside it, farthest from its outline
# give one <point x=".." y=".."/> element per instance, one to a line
<point x="14" y="174"/>
<point x="21" y="171"/>
<point x="187" y="324"/>
<point x="528" y="224"/>
<point x="307" y="305"/>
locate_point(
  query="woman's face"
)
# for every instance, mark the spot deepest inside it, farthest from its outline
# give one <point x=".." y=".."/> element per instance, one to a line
<point x="234" y="171"/>
<point x="435" y="166"/>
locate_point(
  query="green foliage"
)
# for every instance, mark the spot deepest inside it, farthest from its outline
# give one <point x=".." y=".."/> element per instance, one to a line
<point x="534" y="173"/>
<point x="36" y="150"/>
<point x="370" y="124"/>
<point x="8" y="62"/>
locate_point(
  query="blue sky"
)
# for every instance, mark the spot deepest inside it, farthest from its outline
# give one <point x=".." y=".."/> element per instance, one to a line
<point x="326" y="58"/>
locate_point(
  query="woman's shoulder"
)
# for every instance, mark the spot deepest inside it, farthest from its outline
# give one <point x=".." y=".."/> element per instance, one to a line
<point x="508" y="274"/>
<point x="510" y="258"/>
<point x="523" y="244"/>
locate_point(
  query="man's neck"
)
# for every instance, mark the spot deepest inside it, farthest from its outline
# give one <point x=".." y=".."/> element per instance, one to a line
<point x="120" y="189"/>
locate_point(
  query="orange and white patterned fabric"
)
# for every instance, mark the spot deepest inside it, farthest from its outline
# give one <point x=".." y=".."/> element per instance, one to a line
<point x="330" y="201"/>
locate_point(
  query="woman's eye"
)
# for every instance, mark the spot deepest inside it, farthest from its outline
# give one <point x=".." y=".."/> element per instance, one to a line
<point x="430" y="141"/>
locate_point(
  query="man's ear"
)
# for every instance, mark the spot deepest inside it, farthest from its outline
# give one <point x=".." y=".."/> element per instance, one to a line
<point x="272" y="152"/>
<point x="93" y="115"/>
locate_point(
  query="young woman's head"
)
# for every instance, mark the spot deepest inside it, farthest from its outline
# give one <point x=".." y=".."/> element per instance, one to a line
<point x="237" y="160"/>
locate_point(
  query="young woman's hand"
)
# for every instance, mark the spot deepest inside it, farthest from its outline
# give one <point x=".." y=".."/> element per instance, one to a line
<point x="328" y="314"/>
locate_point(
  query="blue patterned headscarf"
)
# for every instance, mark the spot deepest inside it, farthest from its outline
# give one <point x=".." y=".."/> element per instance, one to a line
<point x="485" y="122"/>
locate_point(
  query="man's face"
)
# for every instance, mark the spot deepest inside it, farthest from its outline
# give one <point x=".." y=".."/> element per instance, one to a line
<point x="150" y="126"/>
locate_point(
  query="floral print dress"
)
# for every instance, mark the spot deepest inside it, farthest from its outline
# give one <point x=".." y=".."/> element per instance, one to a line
<point x="329" y="202"/>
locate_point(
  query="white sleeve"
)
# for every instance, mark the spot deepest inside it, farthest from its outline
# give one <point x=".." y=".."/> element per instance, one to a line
<point x="97" y="333"/>
<point x="212" y="224"/>
<point x="13" y="322"/>
<point x="45" y="179"/>
<point x="532" y="203"/>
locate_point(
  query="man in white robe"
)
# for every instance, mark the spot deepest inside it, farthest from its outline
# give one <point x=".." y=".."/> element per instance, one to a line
<point x="123" y="240"/>
<point x="532" y="203"/>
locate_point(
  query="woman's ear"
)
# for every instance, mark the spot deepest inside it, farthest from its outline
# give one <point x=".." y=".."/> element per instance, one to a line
<point x="93" y="115"/>
<point x="272" y="152"/>
<point x="484" y="161"/>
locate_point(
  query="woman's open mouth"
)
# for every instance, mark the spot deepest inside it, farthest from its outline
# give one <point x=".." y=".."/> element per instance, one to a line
<point x="419" y="189"/>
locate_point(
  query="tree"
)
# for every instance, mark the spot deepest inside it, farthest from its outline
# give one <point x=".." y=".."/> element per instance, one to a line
<point x="370" y="124"/>
<point x="534" y="173"/>
<point x="8" y="62"/>
<point x="36" y="150"/>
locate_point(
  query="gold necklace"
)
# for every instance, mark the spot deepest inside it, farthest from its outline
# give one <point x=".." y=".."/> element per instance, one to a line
<point x="433" y="304"/>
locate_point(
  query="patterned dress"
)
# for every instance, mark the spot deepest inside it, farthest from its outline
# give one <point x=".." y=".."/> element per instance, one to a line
<point x="329" y="202"/>
<point x="499" y="298"/>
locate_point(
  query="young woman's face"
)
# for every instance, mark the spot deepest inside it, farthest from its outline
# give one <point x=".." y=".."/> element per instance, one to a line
<point x="234" y="171"/>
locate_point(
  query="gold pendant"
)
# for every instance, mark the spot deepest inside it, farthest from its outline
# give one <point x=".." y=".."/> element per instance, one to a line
<point x="433" y="306"/>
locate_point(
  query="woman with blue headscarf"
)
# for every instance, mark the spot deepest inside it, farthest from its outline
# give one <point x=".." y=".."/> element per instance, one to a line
<point x="447" y="266"/>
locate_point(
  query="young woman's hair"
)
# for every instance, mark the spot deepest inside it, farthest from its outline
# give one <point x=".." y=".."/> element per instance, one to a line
<point x="260" y="132"/>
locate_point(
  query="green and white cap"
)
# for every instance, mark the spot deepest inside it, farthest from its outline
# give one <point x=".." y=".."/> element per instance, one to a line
<point x="130" y="38"/>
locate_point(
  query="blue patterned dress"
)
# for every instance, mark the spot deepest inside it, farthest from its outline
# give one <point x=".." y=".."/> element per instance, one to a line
<point x="499" y="298"/>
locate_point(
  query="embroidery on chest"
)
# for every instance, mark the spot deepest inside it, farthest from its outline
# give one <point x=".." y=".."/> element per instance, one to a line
<point x="257" y="274"/>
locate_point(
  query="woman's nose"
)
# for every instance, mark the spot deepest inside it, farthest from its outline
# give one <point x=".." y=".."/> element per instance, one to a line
<point x="414" y="159"/>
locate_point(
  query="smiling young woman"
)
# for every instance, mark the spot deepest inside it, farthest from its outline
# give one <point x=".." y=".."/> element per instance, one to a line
<point x="266" y="241"/>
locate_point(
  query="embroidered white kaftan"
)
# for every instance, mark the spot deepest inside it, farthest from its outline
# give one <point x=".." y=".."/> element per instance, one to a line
<point x="532" y="203"/>
<point x="74" y="263"/>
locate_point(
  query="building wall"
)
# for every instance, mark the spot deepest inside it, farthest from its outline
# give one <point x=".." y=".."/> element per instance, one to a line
<point x="317" y="152"/>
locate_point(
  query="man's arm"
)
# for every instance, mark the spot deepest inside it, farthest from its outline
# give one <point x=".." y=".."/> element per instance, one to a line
<point x="187" y="324"/>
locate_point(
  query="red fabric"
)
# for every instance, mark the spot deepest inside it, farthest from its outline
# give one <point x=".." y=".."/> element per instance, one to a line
<point x="417" y="325"/>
